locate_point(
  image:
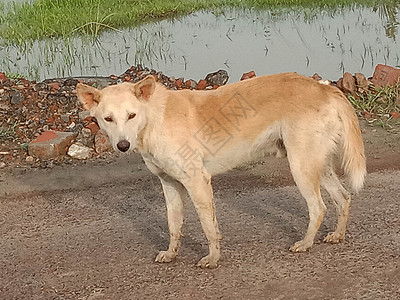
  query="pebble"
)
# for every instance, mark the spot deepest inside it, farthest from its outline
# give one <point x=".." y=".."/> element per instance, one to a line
<point x="83" y="114"/>
<point x="217" y="78"/>
<point x="86" y="132"/>
<point x="71" y="126"/>
<point x="17" y="97"/>
<point x="79" y="151"/>
<point x="65" y="118"/>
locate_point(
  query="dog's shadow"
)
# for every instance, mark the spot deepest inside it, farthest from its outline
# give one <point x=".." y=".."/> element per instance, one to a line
<point x="280" y="213"/>
<point x="276" y="212"/>
<point x="146" y="210"/>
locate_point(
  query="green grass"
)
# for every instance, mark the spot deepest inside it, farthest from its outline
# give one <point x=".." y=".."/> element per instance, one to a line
<point x="8" y="132"/>
<point x="61" y="18"/>
<point x="377" y="104"/>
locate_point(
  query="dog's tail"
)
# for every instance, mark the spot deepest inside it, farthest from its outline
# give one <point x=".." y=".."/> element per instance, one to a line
<point x="353" y="157"/>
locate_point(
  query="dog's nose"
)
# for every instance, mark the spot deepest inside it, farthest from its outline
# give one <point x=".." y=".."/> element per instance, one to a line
<point x="123" y="145"/>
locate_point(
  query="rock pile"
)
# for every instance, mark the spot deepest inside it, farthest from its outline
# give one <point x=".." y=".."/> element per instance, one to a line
<point x="42" y="122"/>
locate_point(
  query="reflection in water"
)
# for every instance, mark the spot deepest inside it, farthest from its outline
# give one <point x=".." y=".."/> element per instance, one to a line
<point x="353" y="39"/>
<point x="390" y="14"/>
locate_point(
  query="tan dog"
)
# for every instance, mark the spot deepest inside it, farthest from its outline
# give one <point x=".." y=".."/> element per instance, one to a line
<point x="186" y="136"/>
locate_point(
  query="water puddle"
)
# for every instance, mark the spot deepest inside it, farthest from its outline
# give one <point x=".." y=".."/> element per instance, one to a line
<point x="353" y="39"/>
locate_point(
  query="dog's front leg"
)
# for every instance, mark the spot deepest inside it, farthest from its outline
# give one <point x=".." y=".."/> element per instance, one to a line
<point x="174" y="193"/>
<point x="200" y="191"/>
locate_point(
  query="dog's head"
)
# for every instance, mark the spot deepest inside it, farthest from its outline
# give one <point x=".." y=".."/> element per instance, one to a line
<point x="120" y="109"/>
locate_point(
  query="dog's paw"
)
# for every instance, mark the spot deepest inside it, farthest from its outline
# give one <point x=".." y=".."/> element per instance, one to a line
<point x="300" y="246"/>
<point x="334" y="238"/>
<point x="208" y="262"/>
<point x="165" y="256"/>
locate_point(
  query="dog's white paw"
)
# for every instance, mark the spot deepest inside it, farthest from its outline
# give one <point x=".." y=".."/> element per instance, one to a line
<point x="165" y="256"/>
<point x="334" y="238"/>
<point x="208" y="262"/>
<point x="300" y="246"/>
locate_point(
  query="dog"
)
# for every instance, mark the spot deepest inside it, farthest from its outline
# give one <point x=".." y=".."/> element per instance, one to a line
<point x="187" y="136"/>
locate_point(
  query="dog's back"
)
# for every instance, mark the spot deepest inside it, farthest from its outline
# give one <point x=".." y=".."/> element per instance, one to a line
<point x="243" y="121"/>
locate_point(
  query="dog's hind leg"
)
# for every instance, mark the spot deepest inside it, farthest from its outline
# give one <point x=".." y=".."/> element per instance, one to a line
<point x="306" y="171"/>
<point x="341" y="199"/>
<point x="200" y="191"/>
<point x="174" y="193"/>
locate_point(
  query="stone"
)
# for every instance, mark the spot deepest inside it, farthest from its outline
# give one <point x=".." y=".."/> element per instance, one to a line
<point x="361" y="82"/>
<point x="79" y="151"/>
<point x="395" y="114"/>
<point x="83" y="114"/>
<point x="71" y="126"/>
<point x="54" y="86"/>
<point x="17" y="97"/>
<point x="41" y="86"/>
<point x="348" y="83"/>
<point x="339" y="83"/>
<point x="65" y="118"/>
<point x="385" y="75"/>
<point x="51" y="144"/>
<point x="316" y="77"/>
<point x="191" y="84"/>
<point x="3" y="77"/>
<point x="102" y="142"/>
<point x="179" y="83"/>
<point x="93" y="127"/>
<point x="248" y="75"/>
<point x="86" y="133"/>
<point x="202" y="84"/>
<point x="217" y="78"/>
<point x="29" y="159"/>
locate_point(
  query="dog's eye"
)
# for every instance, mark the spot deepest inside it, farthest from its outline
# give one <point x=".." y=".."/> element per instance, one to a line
<point x="108" y="119"/>
<point x="131" y="116"/>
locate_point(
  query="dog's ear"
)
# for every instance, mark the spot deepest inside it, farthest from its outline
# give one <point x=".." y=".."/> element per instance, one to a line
<point x="145" y="88"/>
<point x="89" y="96"/>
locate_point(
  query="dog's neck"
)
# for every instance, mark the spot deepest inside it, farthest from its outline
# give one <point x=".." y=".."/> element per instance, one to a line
<point x="154" y="119"/>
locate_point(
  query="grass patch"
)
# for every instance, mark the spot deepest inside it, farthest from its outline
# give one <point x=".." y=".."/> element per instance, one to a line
<point x="61" y="18"/>
<point x="8" y="132"/>
<point x="379" y="105"/>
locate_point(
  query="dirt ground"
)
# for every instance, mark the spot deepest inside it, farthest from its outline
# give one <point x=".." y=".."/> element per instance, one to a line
<point x="93" y="230"/>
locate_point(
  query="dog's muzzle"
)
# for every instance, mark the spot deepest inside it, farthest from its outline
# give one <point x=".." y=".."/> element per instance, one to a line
<point x="123" y="145"/>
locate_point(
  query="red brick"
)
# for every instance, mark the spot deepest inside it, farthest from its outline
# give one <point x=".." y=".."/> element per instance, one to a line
<point x="191" y="84"/>
<point x="395" y="114"/>
<point x="94" y="128"/>
<point x="102" y="142"/>
<point x="178" y="83"/>
<point x="248" y="75"/>
<point x="202" y="84"/>
<point x="3" y="76"/>
<point x="384" y="75"/>
<point x="349" y="83"/>
<point x="54" y="86"/>
<point x="51" y="144"/>
<point x="46" y="136"/>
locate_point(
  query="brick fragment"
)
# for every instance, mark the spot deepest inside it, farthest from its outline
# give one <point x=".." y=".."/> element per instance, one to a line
<point x="51" y="144"/>
<point x="102" y="142"/>
<point x="248" y="75"/>
<point x="385" y="75"/>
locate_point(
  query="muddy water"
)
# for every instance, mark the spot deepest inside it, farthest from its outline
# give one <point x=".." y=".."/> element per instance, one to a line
<point x="329" y="43"/>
